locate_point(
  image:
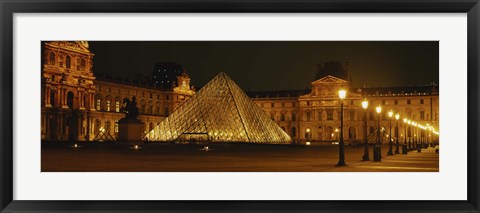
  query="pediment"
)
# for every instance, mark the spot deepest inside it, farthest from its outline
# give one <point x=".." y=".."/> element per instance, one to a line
<point x="329" y="79"/>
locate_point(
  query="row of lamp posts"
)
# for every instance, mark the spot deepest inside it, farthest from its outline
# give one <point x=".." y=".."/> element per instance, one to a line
<point x="377" y="150"/>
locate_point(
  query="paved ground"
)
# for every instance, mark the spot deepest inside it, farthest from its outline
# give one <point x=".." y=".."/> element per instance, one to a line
<point x="107" y="157"/>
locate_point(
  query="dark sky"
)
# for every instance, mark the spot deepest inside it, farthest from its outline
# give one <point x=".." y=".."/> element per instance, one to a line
<point x="274" y="65"/>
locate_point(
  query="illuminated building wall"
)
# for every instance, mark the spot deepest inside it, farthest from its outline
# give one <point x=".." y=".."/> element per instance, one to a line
<point x="313" y="114"/>
<point x="76" y="104"/>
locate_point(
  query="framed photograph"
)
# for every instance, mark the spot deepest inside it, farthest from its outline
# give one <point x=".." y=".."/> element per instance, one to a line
<point x="239" y="106"/>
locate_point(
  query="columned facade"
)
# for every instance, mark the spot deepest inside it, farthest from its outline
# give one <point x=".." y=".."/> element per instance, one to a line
<point x="76" y="105"/>
<point x="314" y="115"/>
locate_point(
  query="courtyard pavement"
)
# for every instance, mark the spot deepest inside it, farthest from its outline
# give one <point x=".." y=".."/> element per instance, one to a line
<point x="111" y="157"/>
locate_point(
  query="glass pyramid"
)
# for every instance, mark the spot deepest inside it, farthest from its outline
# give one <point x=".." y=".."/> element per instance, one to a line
<point x="219" y="112"/>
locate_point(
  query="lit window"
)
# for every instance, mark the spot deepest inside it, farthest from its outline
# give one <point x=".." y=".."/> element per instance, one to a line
<point x="108" y="105"/>
<point x="52" y="58"/>
<point x="99" y="102"/>
<point x="68" y="62"/>
<point x="82" y="64"/>
<point x="329" y="114"/>
<point x="117" y="106"/>
<point x="116" y="127"/>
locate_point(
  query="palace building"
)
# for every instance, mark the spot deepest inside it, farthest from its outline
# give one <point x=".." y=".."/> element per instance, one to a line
<point x="314" y="115"/>
<point x="77" y="104"/>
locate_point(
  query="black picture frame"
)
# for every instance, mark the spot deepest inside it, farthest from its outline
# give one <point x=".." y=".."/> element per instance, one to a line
<point x="9" y="7"/>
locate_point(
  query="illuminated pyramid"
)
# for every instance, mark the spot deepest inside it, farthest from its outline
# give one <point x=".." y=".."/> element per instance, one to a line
<point x="219" y="112"/>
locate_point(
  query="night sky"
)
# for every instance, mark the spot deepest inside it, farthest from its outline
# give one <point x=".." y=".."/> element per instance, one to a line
<point x="266" y="65"/>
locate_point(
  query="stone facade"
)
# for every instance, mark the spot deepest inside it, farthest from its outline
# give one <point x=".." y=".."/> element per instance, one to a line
<point x="76" y="105"/>
<point x="314" y="115"/>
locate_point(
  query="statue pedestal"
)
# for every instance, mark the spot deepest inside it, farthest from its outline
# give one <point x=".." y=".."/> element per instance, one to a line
<point x="130" y="131"/>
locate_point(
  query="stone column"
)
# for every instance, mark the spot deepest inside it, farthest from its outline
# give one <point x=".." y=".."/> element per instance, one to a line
<point x="47" y="97"/>
<point x="63" y="98"/>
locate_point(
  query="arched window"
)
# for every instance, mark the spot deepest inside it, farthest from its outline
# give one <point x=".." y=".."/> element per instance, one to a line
<point x="98" y="102"/>
<point x="97" y="126"/>
<point x="329" y="133"/>
<point x="107" y="126"/>
<point x="294" y="116"/>
<point x="150" y="108"/>
<point x="51" y="59"/>
<point x="352" y="133"/>
<point x="70" y="97"/>
<point x="117" y="104"/>
<point x="82" y="64"/>
<point x="52" y="97"/>
<point x="68" y="61"/>
<point x="282" y="117"/>
<point x="294" y="132"/>
<point x="150" y="127"/>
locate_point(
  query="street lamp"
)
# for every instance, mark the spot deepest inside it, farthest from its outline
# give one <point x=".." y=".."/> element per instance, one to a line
<point x="365" y="155"/>
<point x="308" y="133"/>
<point x="427" y="135"/>
<point x="341" y="159"/>
<point x="397" y="151"/>
<point x="415" y="140"/>
<point x="390" y="114"/>
<point x="377" y="155"/>
<point x="410" y="138"/>
<point x="404" y="146"/>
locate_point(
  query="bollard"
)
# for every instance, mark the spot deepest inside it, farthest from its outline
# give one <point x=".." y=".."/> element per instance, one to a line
<point x="404" y="149"/>
<point x="377" y="155"/>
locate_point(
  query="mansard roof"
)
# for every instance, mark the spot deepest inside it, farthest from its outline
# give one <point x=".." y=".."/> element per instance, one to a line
<point x="277" y="94"/>
<point x="403" y="90"/>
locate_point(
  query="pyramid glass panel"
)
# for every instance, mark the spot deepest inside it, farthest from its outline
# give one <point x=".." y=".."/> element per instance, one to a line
<point x="219" y="112"/>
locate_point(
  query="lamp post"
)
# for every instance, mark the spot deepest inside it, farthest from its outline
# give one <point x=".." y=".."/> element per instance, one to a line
<point x="414" y="143"/>
<point x="429" y="132"/>
<point x="404" y="146"/>
<point x="410" y="138"/>
<point x="390" y="114"/>
<point x="397" y="151"/>
<point x="416" y="138"/>
<point x="366" y="153"/>
<point x="377" y="155"/>
<point x="308" y="133"/>
<point x="341" y="158"/>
